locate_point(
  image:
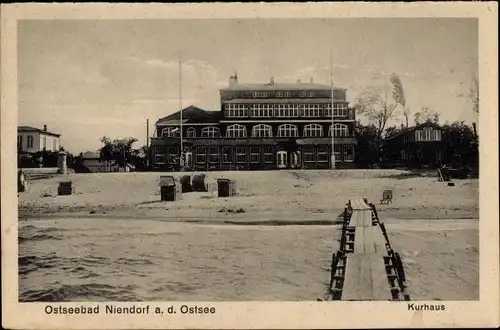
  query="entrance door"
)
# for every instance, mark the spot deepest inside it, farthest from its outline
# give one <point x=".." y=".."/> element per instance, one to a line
<point x="189" y="159"/>
<point x="295" y="160"/>
<point x="282" y="159"/>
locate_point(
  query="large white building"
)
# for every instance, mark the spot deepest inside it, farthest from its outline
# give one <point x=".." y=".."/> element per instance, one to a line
<point x="31" y="140"/>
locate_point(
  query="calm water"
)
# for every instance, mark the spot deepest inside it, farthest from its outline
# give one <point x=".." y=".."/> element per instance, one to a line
<point x="134" y="260"/>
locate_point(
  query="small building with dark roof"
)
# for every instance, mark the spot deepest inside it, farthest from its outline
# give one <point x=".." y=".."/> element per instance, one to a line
<point x="415" y="147"/>
<point x="260" y="126"/>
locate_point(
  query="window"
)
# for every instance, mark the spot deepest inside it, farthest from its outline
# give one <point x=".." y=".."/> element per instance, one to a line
<point x="337" y="153"/>
<point x="323" y="151"/>
<point x="339" y="110"/>
<point x="348" y="153"/>
<point x="437" y="135"/>
<point x="428" y="134"/>
<point x="173" y="155"/>
<point x="171" y="132"/>
<point x="286" y="110"/>
<point x="262" y="130"/>
<point x="287" y="130"/>
<point x="236" y="110"/>
<point x="30" y="141"/>
<point x="241" y="155"/>
<point x="201" y="155"/>
<point x="308" y="154"/>
<point x="210" y="132"/>
<point x="20" y="141"/>
<point x="261" y="110"/>
<point x="254" y="154"/>
<point x="236" y="131"/>
<point x="227" y="155"/>
<point x="310" y="110"/>
<point x="159" y="155"/>
<point x="213" y="155"/>
<point x="268" y="155"/>
<point x="419" y="135"/>
<point x="259" y="94"/>
<point x="313" y="130"/>
<point x="191" y="132"/>
<point x="54" y="145"/>
<point x="339" y="130"/>
<point x="44" y="143"/>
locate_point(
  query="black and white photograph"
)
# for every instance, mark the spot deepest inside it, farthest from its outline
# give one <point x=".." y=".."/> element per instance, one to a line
<point x="248" y="159"/>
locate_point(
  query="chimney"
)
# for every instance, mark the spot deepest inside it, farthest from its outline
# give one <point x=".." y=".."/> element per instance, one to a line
<point x="233" y="80"/>
<point x="45" y="128"/>
<point x="271" y="81"/>
<point x="298" y="81"/>
<point x="312" y="80"/>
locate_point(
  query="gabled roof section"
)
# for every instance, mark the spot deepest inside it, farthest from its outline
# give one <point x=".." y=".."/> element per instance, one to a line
<point x="34" y="129"/>
<point x="190" y="114"/>
<point x="412" y="128"/>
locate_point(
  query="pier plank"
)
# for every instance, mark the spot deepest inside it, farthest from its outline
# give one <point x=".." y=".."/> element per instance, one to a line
<point x="365" y="276"/>
<point x="380" y="283"/>
<point x="359" y="240"/>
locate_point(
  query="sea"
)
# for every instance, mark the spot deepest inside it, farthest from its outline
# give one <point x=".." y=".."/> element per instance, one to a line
<point x="105" y="259"/>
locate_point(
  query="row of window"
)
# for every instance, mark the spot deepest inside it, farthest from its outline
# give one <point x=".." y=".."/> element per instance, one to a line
<point x="261" y="131"/>
<point x="428" y="134"/>
<point x="30" y="142"/>
<point x="285" y="110"/>
<point x="255" y="154"/>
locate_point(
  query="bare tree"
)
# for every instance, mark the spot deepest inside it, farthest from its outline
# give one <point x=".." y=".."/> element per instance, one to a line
<point x="398" y="94"/>
<point x="375" y="103"/>
<point x="426" y="115"/>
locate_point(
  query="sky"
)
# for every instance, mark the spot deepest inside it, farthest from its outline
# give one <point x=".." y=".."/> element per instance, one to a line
<point x="86" y="79"/>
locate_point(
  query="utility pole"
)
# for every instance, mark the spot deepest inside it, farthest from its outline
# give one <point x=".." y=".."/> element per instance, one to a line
<point x="147" y="143"/>
<point x="331" y="127"/>
<point x="181" y="159"/>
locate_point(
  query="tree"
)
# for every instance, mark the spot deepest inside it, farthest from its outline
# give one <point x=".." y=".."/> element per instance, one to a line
<point x="368" y="148"/>
<point x="398" y="95"/>
<point x="460" y="145"/>
<point x="426" y="115"/>
<point x="374" y="102"/>
<point x="118" y="151"/>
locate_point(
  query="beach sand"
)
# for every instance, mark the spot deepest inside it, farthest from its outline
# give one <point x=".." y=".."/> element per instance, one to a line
<point x="263" y="196"/>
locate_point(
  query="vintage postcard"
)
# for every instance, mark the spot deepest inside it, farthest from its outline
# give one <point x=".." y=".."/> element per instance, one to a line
<point x="257" y="165"/>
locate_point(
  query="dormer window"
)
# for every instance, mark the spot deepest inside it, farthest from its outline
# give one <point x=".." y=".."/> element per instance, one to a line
<point x="171" y="132"/>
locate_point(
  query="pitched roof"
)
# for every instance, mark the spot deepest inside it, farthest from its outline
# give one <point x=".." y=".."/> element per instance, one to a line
<point x="412" y="128"/>
<point x="34" y="129"/>
<point x="188" y="113"/>
<point x="279" y="86"/>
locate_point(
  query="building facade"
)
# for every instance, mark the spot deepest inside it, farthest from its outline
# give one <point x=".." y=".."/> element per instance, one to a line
<point x="31" y="140"/>
<point x="416" y="147"/>
<point x="259" y="127"/>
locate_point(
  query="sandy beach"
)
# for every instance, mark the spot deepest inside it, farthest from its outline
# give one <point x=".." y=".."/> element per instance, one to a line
<point x="261" y="196"/>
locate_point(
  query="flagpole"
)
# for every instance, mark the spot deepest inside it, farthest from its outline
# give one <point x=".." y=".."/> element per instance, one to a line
<point x="181" y="160"/>
<point x="332" y="132"/>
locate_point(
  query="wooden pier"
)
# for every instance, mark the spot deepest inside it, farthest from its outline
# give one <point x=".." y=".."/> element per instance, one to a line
<point x="365" y="267"/>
